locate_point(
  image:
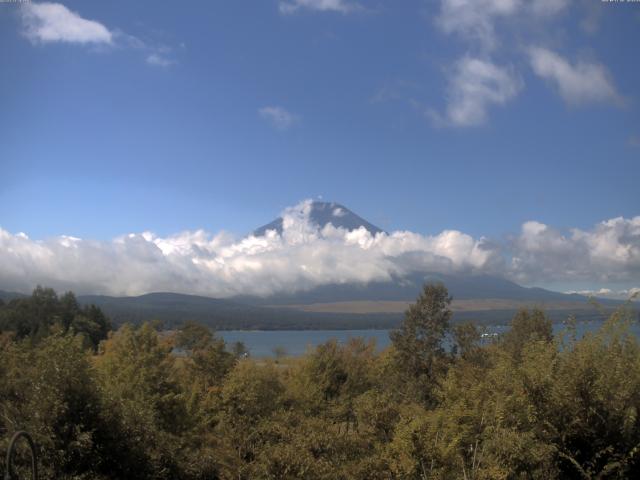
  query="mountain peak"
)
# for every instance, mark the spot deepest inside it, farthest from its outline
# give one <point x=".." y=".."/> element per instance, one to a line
<point x="323" y="213"/>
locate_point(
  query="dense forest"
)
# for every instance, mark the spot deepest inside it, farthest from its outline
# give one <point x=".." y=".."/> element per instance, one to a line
<point x="104" y="404"/>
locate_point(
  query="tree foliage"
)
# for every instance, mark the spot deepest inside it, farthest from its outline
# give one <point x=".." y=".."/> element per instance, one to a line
<point x="436" y="404"/>
<point x="418" y="343"/>
<point x="43" y="313"/>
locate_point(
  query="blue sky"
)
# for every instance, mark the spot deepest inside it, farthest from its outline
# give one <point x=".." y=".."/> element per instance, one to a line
<point x="123" y="117"/>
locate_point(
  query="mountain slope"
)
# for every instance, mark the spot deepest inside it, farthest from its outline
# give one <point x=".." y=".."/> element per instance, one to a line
<point x="461" y="287"/>
<point x="323" y="213"/>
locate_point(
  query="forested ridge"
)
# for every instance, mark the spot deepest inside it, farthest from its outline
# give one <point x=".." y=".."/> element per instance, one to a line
<point x="105" y="404"/>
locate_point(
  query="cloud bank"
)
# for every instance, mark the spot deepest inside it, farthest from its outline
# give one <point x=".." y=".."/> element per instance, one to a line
<point x="610" y="252"/>
<point x="305" y="256"/>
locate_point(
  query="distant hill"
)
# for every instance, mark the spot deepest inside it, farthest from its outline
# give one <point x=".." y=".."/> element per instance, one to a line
<point x="461" y="287"/>
<point x="174" y="309"/>
<point x="6" y="296"/>
<point x="323" y="213"/>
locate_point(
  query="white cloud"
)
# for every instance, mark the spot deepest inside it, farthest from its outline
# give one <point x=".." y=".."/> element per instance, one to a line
<point x="302" y="257"/>
<point x="342" y="6"/>
<point x="592" y="15"/>
<point x="53" y="22"/>
<point x="578" y="83"/>
<point x="305" y="256"/>
<point x="626" y="294"/>
<point x="610" y="252"/>
<point x="486" y="25"/>
<point x="475" y="20"/>
<point x="158" y="60"/>
<point x="278" y="117"/>
<point x="547" y="8"/>
<point x="474" y="86"/>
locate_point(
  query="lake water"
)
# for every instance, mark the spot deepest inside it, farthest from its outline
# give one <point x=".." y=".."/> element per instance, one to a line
<point x="261" y="343"/>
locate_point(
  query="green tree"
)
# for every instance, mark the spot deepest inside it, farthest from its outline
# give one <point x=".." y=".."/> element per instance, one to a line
<point x="466" y="338"/>
<point x="418" y="342"/>
<point x="91" y="324"/>
<point x="143" y="403"/>
<point x="526" y="327"/>
<point x="239" y="349"/>
<point x="50" y="391"/>
<point x="192" y="336"/>
<point x="43" y="313"/>
<point x="251" y="394"/>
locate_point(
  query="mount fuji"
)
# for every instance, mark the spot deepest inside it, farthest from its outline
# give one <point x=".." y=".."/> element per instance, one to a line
<point x="323" y="213"/>
<point x="375" y="304"/>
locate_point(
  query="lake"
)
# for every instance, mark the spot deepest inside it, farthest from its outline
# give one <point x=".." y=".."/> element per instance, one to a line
<point x="261" y="343"/>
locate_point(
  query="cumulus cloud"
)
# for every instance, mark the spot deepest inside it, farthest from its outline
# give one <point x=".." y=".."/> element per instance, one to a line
<point x="341" y="6"/>
<point x="625" y="294"/>
<point x="47" y="22"/>
<point x="578" y="83"/>
<point x="306" y="255"/>
<point x="487" y="25"/>
<point x="278" y="117"/>
<point x="475" y="20"/>
<point x="474" y="86"/>
<point x="610" y="252"/>
<point x="53" y="22"/>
